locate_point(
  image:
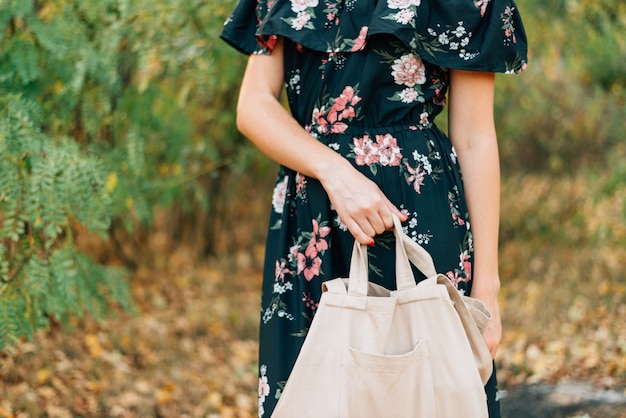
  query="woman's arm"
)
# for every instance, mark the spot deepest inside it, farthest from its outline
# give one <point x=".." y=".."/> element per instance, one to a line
<point x="360" y="204"/>
<point x="473" y="135"/>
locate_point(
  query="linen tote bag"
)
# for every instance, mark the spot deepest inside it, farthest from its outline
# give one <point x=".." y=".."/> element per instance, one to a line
<point x="415" y="352"/>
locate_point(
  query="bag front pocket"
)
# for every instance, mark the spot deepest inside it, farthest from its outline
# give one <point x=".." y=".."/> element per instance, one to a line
<point x="387" y="386"/>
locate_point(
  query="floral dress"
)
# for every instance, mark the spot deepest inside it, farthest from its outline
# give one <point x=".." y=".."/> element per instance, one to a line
<point x="367" y="78"/>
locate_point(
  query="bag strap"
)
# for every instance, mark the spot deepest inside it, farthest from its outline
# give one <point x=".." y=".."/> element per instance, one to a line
<point x="476" y="340"/>
<point x="406" y="250"/>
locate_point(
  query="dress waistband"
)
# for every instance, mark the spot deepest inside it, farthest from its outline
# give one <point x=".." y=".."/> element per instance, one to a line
<point x="339" y="129"/>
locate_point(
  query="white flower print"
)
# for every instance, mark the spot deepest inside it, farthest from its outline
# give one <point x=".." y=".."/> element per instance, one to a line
<point x="409" y="70"/>
<point x="402" y="4"/>
<point x="408" y="95"/>
<point x="460" y="30"/>
<point x="423" y="159"/>
<point x="424" y="119"/>
<point x="278" y="288"/>
<point x="405" y="16"/>
<point x="294" y="82"/>
<point x="301" y="5"/>
<point x="293" y="252"/>
<point x="282" y="288"/>
<point x="423" y="239"/>
<point x="454" y="46"/>
<point x="278" y="197"/>
<point x="443" y="39"/>
<point x="301" y="20"/>
<point x="467" y="55"/>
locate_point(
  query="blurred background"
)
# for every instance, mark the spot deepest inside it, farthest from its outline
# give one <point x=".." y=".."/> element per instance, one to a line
<point x="133" y="214"/>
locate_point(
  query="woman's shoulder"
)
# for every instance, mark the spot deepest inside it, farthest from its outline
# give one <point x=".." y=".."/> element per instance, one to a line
<point x="482" y="35"/>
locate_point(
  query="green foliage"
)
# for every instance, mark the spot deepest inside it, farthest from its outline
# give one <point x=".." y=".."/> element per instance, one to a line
<point x="567" y="110"/>
<point x="108" y="108"/>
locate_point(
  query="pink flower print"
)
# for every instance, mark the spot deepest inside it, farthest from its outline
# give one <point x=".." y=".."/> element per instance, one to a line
<point x="300" y="184"/>
<point x="507" y="24"/>
<point x="424" y="119"/>
<point x="416" y="176"/>
<point x="388" y="150"/>
<point x="302" y="5"/>
<point x="343" y="108"/>
<point x="301" y="20"/>
<point x="454" y="278"/>
<point x="365" y="150"/>
<point x="408" y="95"/>
<point x="455" y="217"/>
<point x="440" y="98"/>
<point x="405" y="16"/>
<point x="483" y="6"/>
<point x="264" y="389"/>
<point x="309" y="302"/>
<point x="281" y="270"/>
<point x="319" y="234"/>
<point x="269" y="43"/>
<point x="359" y="42"/>
<point x="309" y="263"/>
<point x="278" y="197"/>
<point x="402" y="4"/>
<point x="338" y="128"/>
<point x="293" y="253"/>
<point x="319" y="119"/>
<point x="409" y="70"/>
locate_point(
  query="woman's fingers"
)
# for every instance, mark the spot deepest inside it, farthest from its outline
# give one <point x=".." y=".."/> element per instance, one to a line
<point x="361" y="205"/>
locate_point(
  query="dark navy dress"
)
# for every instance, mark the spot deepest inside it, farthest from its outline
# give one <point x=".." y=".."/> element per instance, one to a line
<point x="367" y="78"/>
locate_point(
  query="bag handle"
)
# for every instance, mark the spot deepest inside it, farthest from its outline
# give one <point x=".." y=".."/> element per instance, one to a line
<point x="406" y="249"/>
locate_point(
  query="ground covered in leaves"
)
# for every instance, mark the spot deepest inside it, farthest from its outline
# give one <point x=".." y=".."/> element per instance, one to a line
<point x="190" y="351"/>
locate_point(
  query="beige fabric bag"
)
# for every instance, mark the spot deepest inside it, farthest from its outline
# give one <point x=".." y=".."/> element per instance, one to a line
<point x="411" y="353"/>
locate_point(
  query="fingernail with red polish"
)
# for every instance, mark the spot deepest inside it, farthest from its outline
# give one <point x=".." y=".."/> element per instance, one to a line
<point x="371" y="244"/>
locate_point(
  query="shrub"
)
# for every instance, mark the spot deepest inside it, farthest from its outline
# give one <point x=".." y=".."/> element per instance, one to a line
<point x="109" y="108"/>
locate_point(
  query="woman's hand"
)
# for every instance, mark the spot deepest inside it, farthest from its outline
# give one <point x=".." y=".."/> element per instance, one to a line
<point x="359" y="202"/>
<point x="493" y="332"/>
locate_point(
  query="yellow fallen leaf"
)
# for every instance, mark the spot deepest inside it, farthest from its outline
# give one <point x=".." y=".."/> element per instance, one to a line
<point x="43" y="375"/>
<point x="93" y="344"/>
<point x="163" y="396"/>
<point x="5" y="414"/>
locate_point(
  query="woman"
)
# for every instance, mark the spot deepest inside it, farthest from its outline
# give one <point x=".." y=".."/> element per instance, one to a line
<point x="365" y="80"/>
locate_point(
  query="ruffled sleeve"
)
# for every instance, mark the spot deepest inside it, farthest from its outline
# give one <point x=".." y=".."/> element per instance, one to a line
<point x="241" y="29"/>
<point x="478" y="35"/>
